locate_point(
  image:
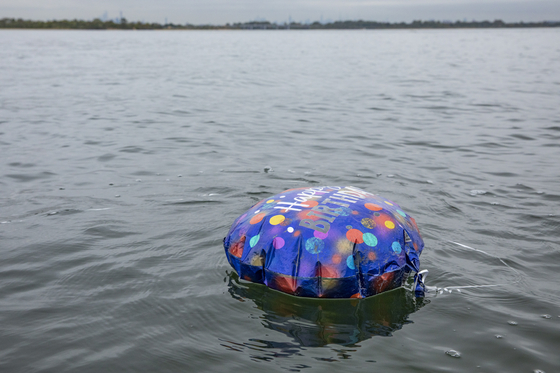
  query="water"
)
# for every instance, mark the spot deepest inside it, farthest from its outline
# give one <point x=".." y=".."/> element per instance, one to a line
<point x="127" y="155"/>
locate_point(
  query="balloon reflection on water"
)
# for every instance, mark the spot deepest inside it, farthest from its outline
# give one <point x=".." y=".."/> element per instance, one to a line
<point x="312" y="322"/>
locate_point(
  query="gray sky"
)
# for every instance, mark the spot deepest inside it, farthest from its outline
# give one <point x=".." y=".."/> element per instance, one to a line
<point x="223" y="11"/>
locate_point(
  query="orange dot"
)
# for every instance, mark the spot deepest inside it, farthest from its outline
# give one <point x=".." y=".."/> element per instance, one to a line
<point x="357" y="295"/>
<point x="257" y="218"/>
<point x="310" y="203"/>
<point x="237" y="248"/>
<point x="355" y="236"/>
<point x="297" y="233"/>
<point x="371" y="256"/>
<point x="336" y="258"/>
<point x="373" y="207"/>
<point x="415" y="246"/>
<point x="303" y="215"/>
<point x="354" y="212"/>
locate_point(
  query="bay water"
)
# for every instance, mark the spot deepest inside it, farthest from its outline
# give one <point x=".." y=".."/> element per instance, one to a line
<point x="126" y="156"/>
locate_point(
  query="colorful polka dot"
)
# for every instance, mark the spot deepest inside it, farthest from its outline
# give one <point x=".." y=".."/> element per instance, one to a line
<point x="401" y="213"/>
<point x="389" y="224"/>
<point x="336" y="259"/>
<point x="350" y="262"/>
<point x="286" y="222"/>
<point x="314" y="245"/>
<point x="270" y="201"/>
<point x="277" y="219"/>
<point x="389" y="203"/>
<point x="355" y="236"/>
<point x="320" y="235"/>
<point x="254" y="240"/>
<point x="278" y="242"/>
<point x="373" y="207"/>
<point x="369" y="239"/>
<point x="344" y="211"/>
<point x="396" y="247"/>
<point x="368" y="223"/>
<point x="257" y="218"/>
<point x="290" y="229"/>
<point x="310" y="203"/>
<point x="344" y="246"/>
<point x="371" y="256"/>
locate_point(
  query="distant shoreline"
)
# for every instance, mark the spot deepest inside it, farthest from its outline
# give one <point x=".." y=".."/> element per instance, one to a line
<point x="123" y="24"/>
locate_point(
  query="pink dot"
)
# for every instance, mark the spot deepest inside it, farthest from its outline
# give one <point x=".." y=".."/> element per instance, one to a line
<point x="278" y="242"/>
<point x="320" y="235"/>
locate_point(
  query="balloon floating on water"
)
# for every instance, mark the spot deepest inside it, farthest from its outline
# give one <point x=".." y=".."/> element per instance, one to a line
<point x="331" y="242"/>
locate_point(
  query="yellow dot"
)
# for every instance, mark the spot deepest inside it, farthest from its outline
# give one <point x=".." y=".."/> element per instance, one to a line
<point x="389" y="224"/>
<point x="277" y="219"/>
<point x="270" y="201"/>
<point x="368" y="223"/>
<point x="389" y="203"/>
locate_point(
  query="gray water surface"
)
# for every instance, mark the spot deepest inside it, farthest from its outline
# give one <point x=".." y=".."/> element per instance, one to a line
<point x="125" y="157"/>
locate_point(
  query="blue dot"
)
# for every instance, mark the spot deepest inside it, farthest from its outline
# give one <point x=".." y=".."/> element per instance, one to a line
<point x="254" y="240"/>
<point x="401" y="213"/>
<point x="344" y="211"/>
<point x="370" y="239"/>
<point x="314" y="245"/>
<point x="350" y="262"/>
<point x="396" y="247"/>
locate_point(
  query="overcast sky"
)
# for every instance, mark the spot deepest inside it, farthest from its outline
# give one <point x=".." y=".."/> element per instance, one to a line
<point x="224" y="11"/>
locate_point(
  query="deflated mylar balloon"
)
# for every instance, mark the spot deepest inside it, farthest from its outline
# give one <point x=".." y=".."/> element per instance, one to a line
<point x="331" y="241"/>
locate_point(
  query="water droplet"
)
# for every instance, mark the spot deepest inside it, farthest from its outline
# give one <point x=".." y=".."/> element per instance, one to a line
<point x="111" y="184"/>
<point x="267" y="169"/>
<point x="391" y="176"/>
<point x="512" y="322"/>
<point x="498" y="336"/>
<point x="117" y="195"/>
<point x="429" y="181"/>
<point x="138" y="180"/>
<point x="53" y="213"/>
<point x="179" y="175"/>
<point x="453" y="353"/>
<point x="546" y="316"/>
<point x="538" y="371"/>
<point x="61" y="188"/>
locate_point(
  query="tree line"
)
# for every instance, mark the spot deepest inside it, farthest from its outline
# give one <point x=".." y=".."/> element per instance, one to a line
<point x="123" y="24"/>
